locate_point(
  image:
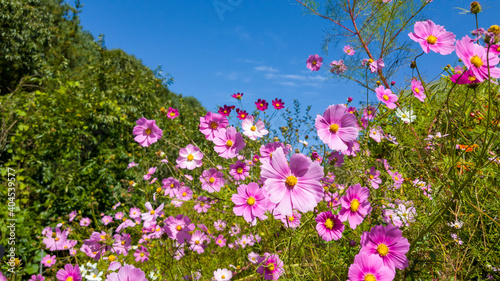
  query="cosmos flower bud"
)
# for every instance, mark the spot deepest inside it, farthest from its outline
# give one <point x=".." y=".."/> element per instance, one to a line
<point x="475" y="7"/>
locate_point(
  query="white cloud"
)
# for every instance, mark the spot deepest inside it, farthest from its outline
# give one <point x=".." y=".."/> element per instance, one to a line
<point x="265" y="68"/>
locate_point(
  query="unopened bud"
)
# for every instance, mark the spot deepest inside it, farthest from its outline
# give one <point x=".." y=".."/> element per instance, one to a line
<point x="475" y="7"/>
<point x="413" y="64"/>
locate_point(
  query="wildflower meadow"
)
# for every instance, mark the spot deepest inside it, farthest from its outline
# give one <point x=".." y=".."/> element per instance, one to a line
<point x="401" y="185"/>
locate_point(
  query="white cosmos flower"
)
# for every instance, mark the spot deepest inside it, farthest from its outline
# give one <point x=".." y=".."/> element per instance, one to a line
<point x="406" y="115"/>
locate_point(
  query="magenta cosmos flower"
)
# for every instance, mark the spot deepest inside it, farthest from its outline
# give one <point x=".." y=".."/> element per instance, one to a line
<point x="388" y="243"/>
<point x="314" y="62"/>
<point x="329" y="226"/>
<point x="386" y="96"/>
<point x="338" y="67"/>
<point x="212" y="180"/>
<point x="474" y="56"/>
<point x="369" y="268"/>
<point x="69" y="273"/>
<point x="146" y="132"/>
<point x="179" y="228"/>
<point x="355" y="205"/>
<point x="271" y="266"/>
<point x="374" y="65"/>
<point x="253" y="131"/>
<point x="418" y="90"/>
<point x="241" y="114"/>
<point x="251" y="202"/>
<point x="433" y="37"/>
<point x="127" y="273"/>
<point x="294" y="185"/>
<point x="261" y="105"/>
<point x="211" y="123"/>
<point x="228" y="143"/>
<point x="337" y="127"/>
<point x="172" y="113"/>
<point x="189" y="157"/>
<point x="237" y="96"/>
<point x="278" y="104"/>
<point x="239" y="170"/>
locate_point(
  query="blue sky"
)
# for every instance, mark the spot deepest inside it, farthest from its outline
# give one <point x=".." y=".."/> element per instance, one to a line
<point x="259" y="47"/>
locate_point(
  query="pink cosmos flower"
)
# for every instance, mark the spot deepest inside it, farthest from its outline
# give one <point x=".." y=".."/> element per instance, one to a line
<point x="271" y="266"/>
<point x="171" y="186"/>
<point x="127" y="273"/>
<point x="373" y="177"/>
<point x="212" y="180"/>
<point x="397" y="177"/>
<point x="266" y="151"/>
<point x="390" y="216"/>
<point x="314" y="62"/>
<point x="179" y="228"/>
<point x="329" y="226"/>
<point x="146" y="132"/>
<point x="197" y="242"/>
<point x="292" y="221"/>
<point x="369" y="268"/>
<point x="474" y="56"/>
<point x="237" y="96"/>
<point x="122" y="243"/>
<point x="189" y="157"/>
<point x="38" y="277"/>
<point x="135" y="213"/>
<point x="261" y="105"/>
<point x="49" y="260"/>
<point x="349" y="50"/>
<point x="219" y="225"/>
<point x="374" y="65"/>
<point x="223" y="274"/>
<point x="254" y="257"/>
<point x="85" y="222"/>
<point x="220" y="241"/>
<point x="337" y="67"/>
<point x="468" y="77"/>
<point x="239" y="170"/>
<point x="250" y="202"/>
<point x="72" y="216"/>
<point x="106" y="220"/>
<point x="253" y="131"/>
<point x="151" y="171"/>
<point x="388" y="243"/>
<point x="386" y="96"/>
<point x="151" y="214"/>
<point x="172" y="113"/>
<point x="433" y="37"/>
<point x="355" y="205"/>
<point x="211" y="123"/>
<point x="228" y="142"/>
<point x="69" y="273"/>
<point x="185" y="193"/>
<point x="376" y="134"/>
<point x="418" y="90"/>
<point x="369" y="112"/>
<point x="336" y="127"/>
<point x="202" y="207"/>
<point x="131" y="165"/>
<point x="294" y="185"/>
<point x="141" y="254"/>
<point x="278" y="104"/>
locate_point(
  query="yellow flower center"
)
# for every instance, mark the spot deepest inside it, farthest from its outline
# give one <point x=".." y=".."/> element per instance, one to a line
<point x="190" y="158"/>
<point x="152" y="212"/>
<point x="261" y="105"/>
<point x="178" y="228"/>
<point x="124" y="219"/>
<point x="142" y="255"/>
<point x="417" y="90"/>
<point x="270" y="267"/>
<point x="329" y="223"/>
<point x="213" y="125"/>
<point x="54" y="234"/>
<point x="334" y="128"/>
<point x="314" y="62"/>
<point x="494" y="29"/>
<point x="102" y="237"/>
<point x="404" y="116"/>
<point x="172" y="114"/>
<point x="396" y="178"/>
<point x="291" y="181"/>
<point x="385" y="97"/>
<point x="57" y="239"/>
<point x="158" y="190"/>
<point x="111" y="258"/>
<point x="202" y="204"/>
<point x="239" y="170"/>
<point x="476" y="61"/>
<point x="184" y="193"/>
<point x="229" y="143"/>
<point x="354" y="205"/>
<point x="432" y="39"/>
<point x="372" y="177"/>
<point x="370" y="61"/>
<point x="123" y="242"/>
<point x="253" y="128"/>
<point x="382" y="250"/>
<point x="148" y="131"/>
<point x="472" y="78"/>
<point x="291" y="218"/>
<point x="374" y="133"/>
<point x="370" y="277"/>
<point x="277" y="105"/>
<point x="211" y="180"/>
<point x="69" y="279"/>
<point x="197" y="242"/>
<point x="223" y="276"/>
<point x="250" y="201"/>
<point x="49" y="261"/>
